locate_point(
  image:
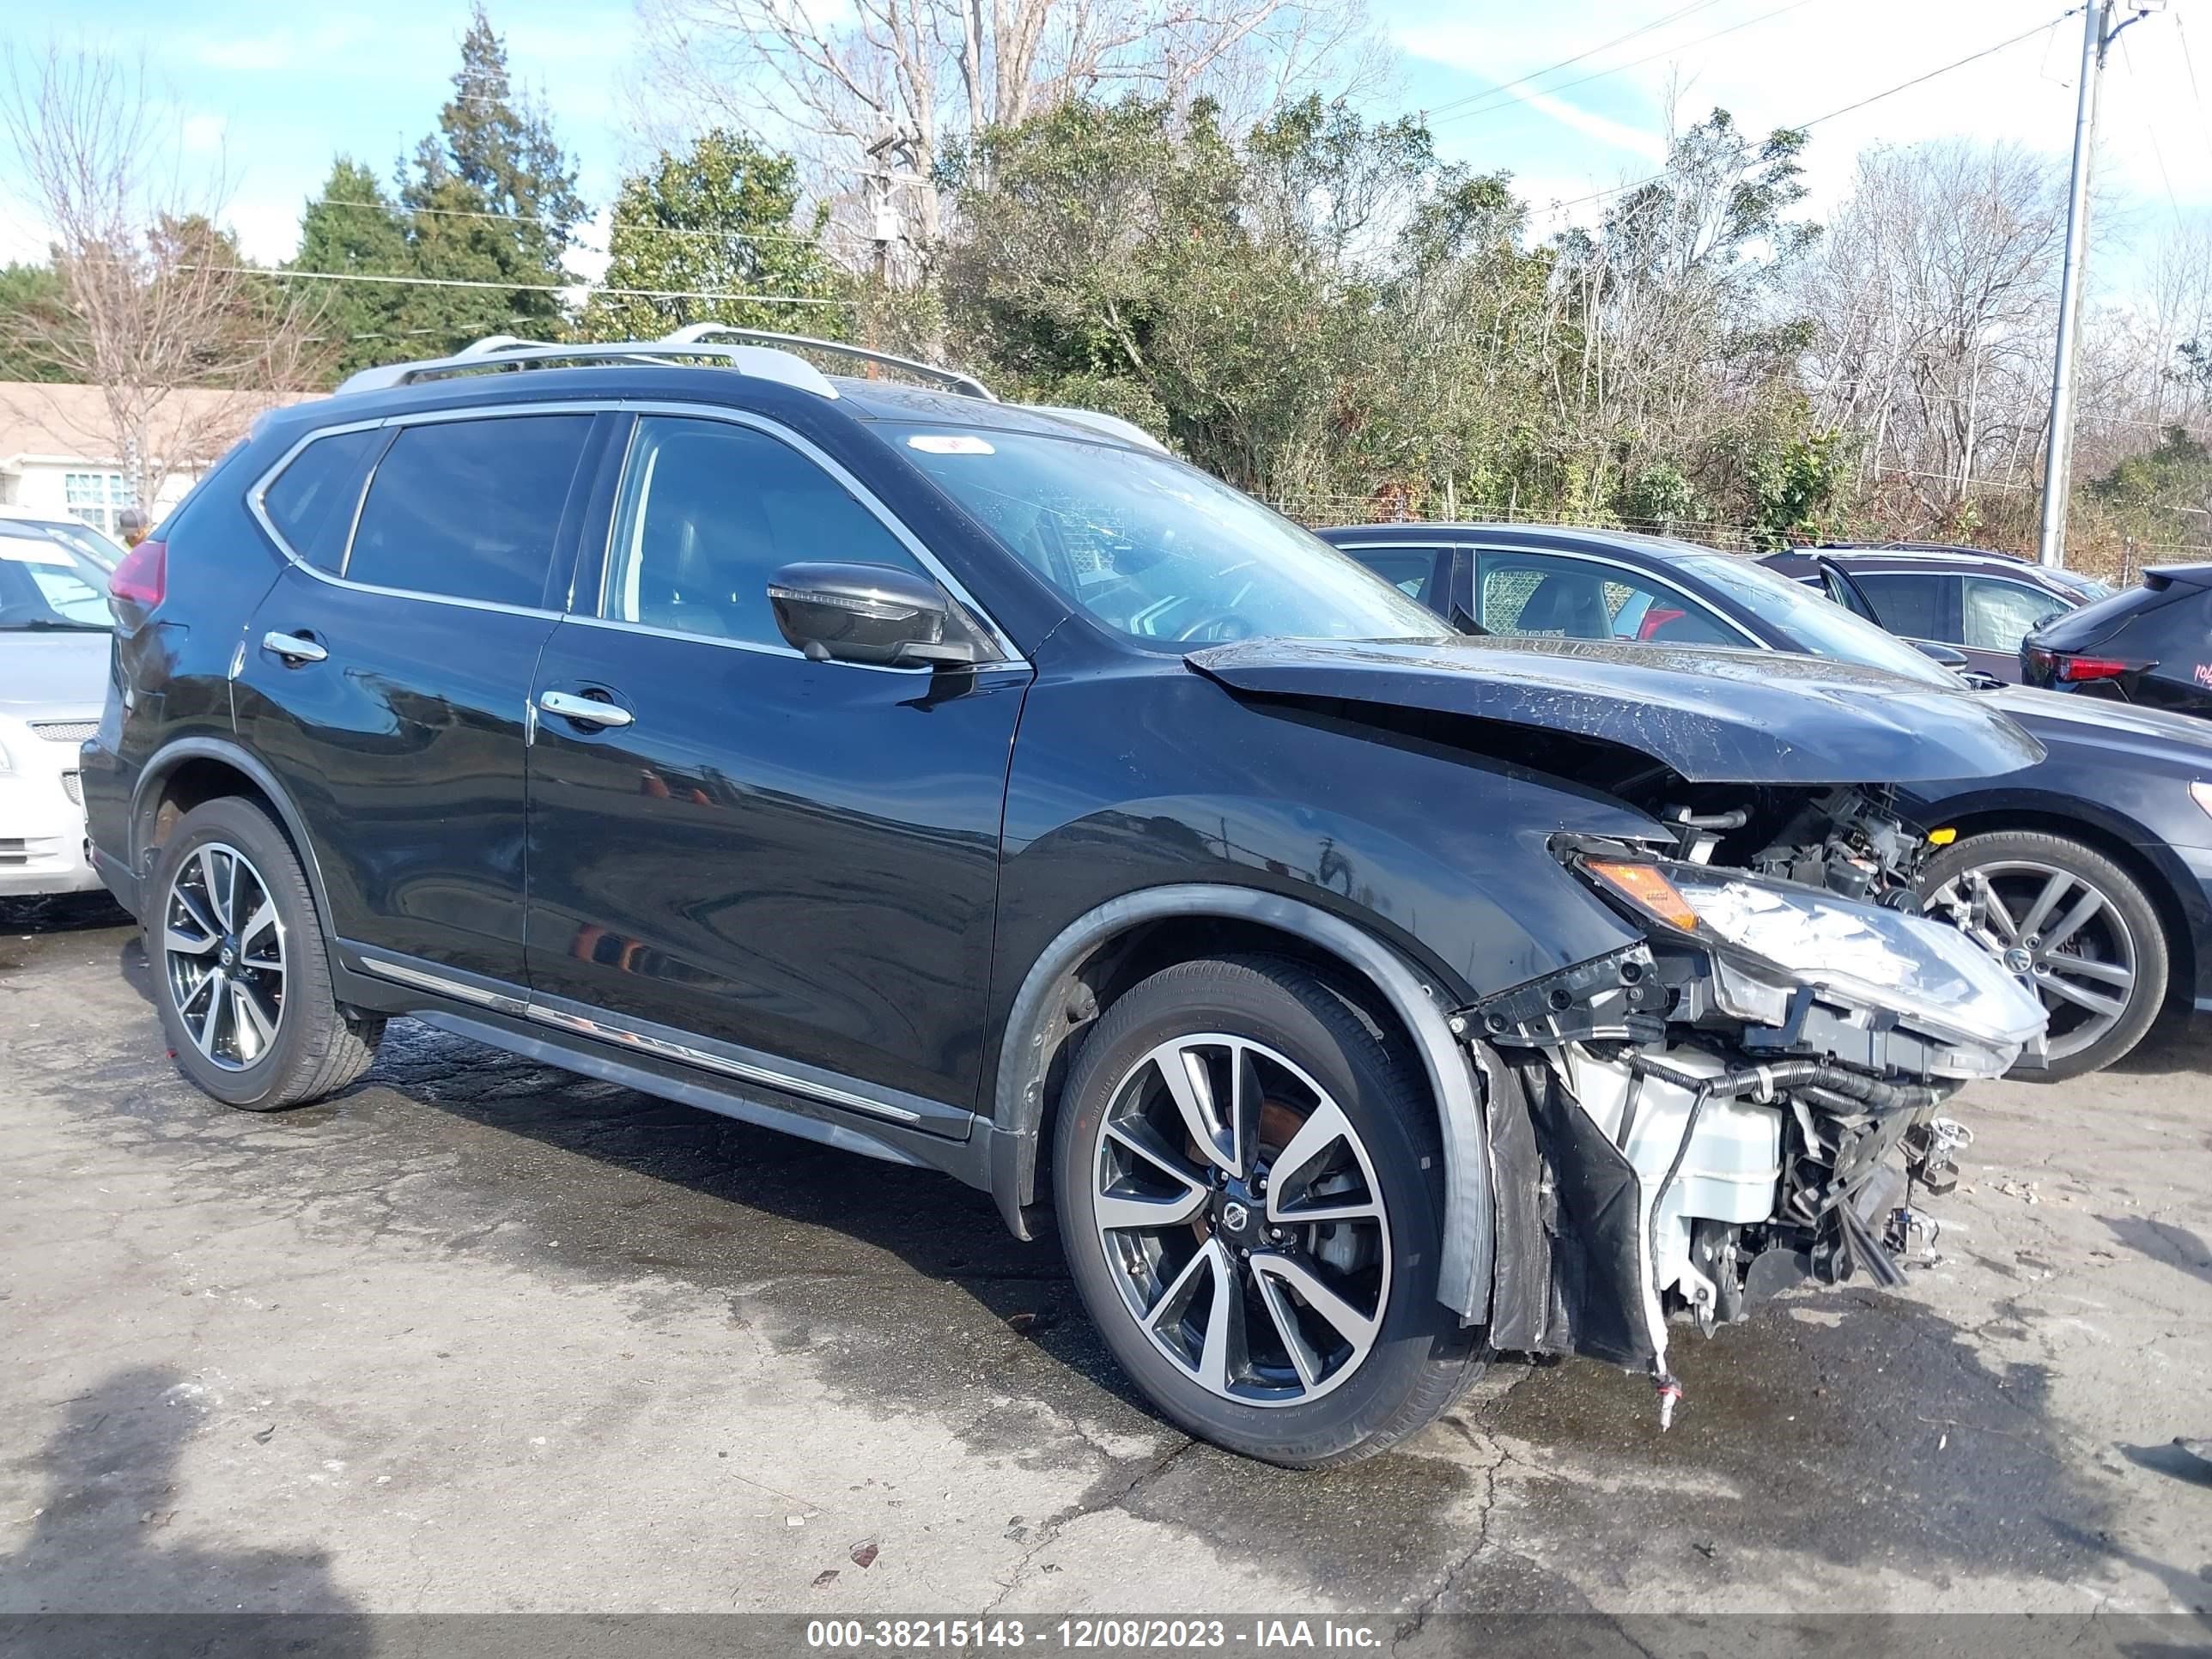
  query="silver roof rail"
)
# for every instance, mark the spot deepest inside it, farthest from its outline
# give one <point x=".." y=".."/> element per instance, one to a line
<point x="967" y="384"/>
<point x="505" y="351"/>
<point x="1098" y="421"/>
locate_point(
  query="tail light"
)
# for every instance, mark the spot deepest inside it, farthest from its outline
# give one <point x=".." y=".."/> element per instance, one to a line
<point x="2077" y="670"/>
<point x="142" y="577"/>
<point x="2042" y="657"/>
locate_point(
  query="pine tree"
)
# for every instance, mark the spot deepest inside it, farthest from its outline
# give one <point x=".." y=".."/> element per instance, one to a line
<point x="33" y="305"/>
<point x="492" y="198"/>
<point x="721" y="219"/>
<point x="354" y="229"/>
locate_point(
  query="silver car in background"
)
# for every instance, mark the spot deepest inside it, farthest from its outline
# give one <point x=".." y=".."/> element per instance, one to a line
<point x="54" y="627"/>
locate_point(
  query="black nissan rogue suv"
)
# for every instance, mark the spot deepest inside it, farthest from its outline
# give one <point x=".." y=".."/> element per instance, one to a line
<point x="975" y="786"/>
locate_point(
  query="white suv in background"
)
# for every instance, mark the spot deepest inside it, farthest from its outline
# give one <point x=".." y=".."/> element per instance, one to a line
<point x="54" y="627"/>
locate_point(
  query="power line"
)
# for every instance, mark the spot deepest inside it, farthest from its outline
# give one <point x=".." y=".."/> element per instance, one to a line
<point x="1637" y="62"/>
<point x="1848" y="109"/>
<point x="516" y="288"/>
<point x="2202" y="123"/>
<point x="2157" y="152"/>
<point x="1603" y="45"/>
<point x="550" y="224"/>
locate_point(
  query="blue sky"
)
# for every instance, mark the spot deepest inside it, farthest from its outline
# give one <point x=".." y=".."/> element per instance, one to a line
<point x="274" y="90"/>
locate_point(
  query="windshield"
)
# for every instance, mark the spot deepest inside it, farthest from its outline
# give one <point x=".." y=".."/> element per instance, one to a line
<point x="1812" y="623"/>
<point x="93" y="543"/>
<point x="2089" y="587"/>
<point x="45" y="584"/>
<point x="1156" y="549"/>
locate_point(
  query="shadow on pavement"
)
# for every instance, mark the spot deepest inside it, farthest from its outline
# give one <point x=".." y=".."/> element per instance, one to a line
<point x="2181" y="1042"/>
<point x="1875" y="1430"/>
<point x="2161" y="1241"/>
<point x="109" y="1535"/>
<point x="59" y="913"/>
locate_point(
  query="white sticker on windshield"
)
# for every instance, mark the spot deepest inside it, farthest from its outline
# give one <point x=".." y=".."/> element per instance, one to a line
<point x="34" y="553"/>
<point x="932" y="443"/>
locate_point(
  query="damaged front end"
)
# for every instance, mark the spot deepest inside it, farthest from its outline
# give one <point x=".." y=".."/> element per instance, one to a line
<point x="1745" y="1097"/>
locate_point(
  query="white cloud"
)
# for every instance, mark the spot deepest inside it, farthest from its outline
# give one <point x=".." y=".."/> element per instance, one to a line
<point x="1643" y="142"/>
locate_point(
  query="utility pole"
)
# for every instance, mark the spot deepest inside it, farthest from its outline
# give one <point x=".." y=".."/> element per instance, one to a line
<point x="2058" y="452"/>
<point x="2098" y="33"/>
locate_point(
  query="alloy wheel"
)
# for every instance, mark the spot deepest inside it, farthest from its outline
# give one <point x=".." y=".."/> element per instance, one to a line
<point x="1241" y="1220"/>
<point x="223" y="947"/>
<point x="2062" y="936"/>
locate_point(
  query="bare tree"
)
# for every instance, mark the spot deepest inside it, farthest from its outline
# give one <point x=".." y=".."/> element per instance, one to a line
<point x="883" y="90"/>
<point x="1933" y="301"/>
<point x="155" y="296"/>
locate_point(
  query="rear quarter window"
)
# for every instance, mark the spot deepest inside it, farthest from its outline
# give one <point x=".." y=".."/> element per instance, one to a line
<point x="312" y="501"/>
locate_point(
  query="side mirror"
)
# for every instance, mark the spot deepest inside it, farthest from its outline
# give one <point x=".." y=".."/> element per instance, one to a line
<point x="1949" y="656"/>
<point x="872" y="613"/>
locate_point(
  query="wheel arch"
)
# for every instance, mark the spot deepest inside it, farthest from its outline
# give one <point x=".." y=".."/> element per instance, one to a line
<point x="193" y="771"/>
<point x="2157" y="884"/>
<point x="1112" y="946"/>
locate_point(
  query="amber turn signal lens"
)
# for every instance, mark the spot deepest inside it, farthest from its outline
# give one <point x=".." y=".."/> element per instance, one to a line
<point x="1645" y="886"/>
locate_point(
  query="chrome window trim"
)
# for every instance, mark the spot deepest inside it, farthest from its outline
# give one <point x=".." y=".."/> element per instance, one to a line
<point x="614" y="1028"/>
<point x="1394" y="546"/>
<point x="655" y="631"/>
<point x="1011" y="655"/>
<point x="258" y="492"/>
<point x="1478" y="549"/>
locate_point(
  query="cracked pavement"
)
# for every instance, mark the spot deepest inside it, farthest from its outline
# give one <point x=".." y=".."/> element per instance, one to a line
<point x="480" y="1336"/>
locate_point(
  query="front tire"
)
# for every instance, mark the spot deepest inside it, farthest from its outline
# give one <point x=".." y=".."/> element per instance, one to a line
<point x="1250" y="1182"/>
<point x="2077" y="929"/>
<point x="241" y="973"/>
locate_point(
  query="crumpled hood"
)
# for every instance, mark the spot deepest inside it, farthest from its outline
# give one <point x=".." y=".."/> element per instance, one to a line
<point x="57" y="674"/>
<point x="1712" y="716"/>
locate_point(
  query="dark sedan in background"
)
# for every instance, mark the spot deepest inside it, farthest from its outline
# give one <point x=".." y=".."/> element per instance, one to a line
<point x="1979" y="604"/>
<point x="2150" y="646"/>
<point x="2089" y="873"/>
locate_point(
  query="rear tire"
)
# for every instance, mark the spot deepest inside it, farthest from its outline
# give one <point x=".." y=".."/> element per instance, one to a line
<point x="2114" y="954"/>
<point x="241" y="973"/>
<point x="1333" y="1345"/>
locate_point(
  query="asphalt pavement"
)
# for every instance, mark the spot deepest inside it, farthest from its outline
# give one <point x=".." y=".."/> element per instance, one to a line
<point x="482" y="1336"/>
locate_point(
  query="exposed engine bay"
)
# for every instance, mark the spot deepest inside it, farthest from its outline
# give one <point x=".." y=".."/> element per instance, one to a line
<point x="1748" y="1098"/>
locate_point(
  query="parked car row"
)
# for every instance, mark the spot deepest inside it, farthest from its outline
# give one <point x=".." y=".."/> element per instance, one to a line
<point x="1946" y="600"/>
<point x="2089" y="873"/>
<point x="1522" y="953"/>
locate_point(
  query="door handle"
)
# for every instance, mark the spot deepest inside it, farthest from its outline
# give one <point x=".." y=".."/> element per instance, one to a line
<point x="292" y="647"/>
<point x="590" y="710"/>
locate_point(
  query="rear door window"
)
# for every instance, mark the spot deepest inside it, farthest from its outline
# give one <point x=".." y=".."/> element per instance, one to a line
<point x="1915" y="604"/>
<point x="312" y="501"/>
<point x="1998" y="613"/>
<point x="1528" y="594"/>
<point x="469" y="509"/>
